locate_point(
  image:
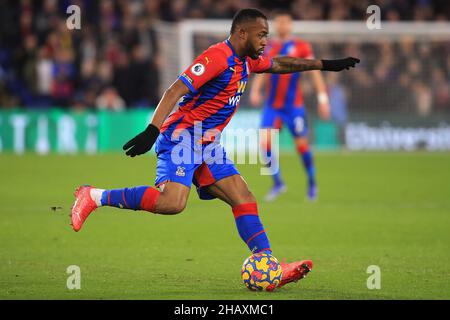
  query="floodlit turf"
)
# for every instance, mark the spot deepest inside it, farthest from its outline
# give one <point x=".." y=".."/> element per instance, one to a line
<point x="391" y="210"/>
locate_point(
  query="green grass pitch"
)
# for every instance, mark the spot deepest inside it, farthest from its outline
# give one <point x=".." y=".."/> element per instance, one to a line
<point x="386" y="209"/>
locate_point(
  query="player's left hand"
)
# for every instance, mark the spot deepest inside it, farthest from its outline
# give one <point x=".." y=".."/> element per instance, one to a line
<point x="339" y="64"/>
<point x="143" y="142"/>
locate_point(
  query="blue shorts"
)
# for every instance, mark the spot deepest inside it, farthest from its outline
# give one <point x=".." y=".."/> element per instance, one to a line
<point x="293" y="117"/>
<point x="202" y="165"/>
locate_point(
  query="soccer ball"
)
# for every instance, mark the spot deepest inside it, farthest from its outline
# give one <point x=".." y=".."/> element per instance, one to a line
<point x="261" y="271"/>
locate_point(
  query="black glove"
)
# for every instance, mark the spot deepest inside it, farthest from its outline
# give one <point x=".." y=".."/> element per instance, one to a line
<point x="339" y="64"/>
<point x="143" y="142"/>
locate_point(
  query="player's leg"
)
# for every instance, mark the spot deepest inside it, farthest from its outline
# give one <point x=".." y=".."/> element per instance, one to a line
<point x="173" y="179"/>
<point x="171" y="200"/>
<point x="303" y="149"/>
<point x="271" y="156"/>
<point x="298" y="126"/>
<point x="222" y="180"/>
<point x="243" y="203"/>
<point x="215" y="192"/>
<point x="271" y="121"/>
<point x="250" y="228"/>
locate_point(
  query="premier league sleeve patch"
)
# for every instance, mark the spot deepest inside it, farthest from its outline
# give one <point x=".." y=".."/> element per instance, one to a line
<point x="203" y="69"/>
<point x="198" y="69"/>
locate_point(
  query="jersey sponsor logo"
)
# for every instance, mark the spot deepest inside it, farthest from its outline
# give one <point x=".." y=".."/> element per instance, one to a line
<point x="241" y="86"/>
<point x="234" y="100"/>
<point x="198" y="69"/>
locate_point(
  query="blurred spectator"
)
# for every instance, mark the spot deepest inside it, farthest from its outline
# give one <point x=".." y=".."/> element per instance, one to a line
<point x="441" y="88"/>
<point x="423" y="98"/>
<point x="63" y="87"/>
<point x="28" y="58"/>
<point x="110" y="100"/>
<point x="46" y="19"/>
<point x="44" y="70"/>
<point x="122" y="78"/>
<point x="143" y="78"/>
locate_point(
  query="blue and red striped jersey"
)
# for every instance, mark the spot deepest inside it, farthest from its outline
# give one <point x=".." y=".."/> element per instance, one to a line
<point x="282" y="90"/>
<point x="216" y="80"/>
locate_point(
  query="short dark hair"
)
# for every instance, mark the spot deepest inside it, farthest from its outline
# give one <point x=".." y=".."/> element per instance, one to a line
<point x="246" y="15"/>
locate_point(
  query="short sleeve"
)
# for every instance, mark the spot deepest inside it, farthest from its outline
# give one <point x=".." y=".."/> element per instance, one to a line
<point x="207" y="66"/>
<point x="259" y="65"/>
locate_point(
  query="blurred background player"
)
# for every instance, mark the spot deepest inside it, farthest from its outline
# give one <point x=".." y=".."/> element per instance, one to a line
<point x="284" y="104"/>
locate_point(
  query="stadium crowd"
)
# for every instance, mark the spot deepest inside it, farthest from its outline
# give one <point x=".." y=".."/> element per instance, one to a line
<point x="114" y="60"/>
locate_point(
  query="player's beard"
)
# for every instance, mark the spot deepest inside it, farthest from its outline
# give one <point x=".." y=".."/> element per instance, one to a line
<point x="253" y="53"/>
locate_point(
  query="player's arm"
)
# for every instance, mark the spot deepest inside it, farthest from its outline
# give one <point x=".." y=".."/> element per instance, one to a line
<point x="170" y="97"/>
<point x="144" y="141"/>
<point x="322" y="95"/>
<point x="291" y="64"/>
<point x="255" y="92"/>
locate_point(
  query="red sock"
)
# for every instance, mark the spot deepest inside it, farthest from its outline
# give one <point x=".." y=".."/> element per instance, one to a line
<point x="149" y="198"/>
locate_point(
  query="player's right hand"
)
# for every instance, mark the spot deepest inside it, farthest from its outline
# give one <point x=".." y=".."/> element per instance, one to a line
<point x="255" y="98"/>
<point x="324" y="111"/>
<point x="143" y="142"/>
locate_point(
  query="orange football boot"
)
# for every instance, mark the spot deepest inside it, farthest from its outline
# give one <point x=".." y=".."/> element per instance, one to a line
<point x="82" y="207"/>
<point x="294" y="271"/>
